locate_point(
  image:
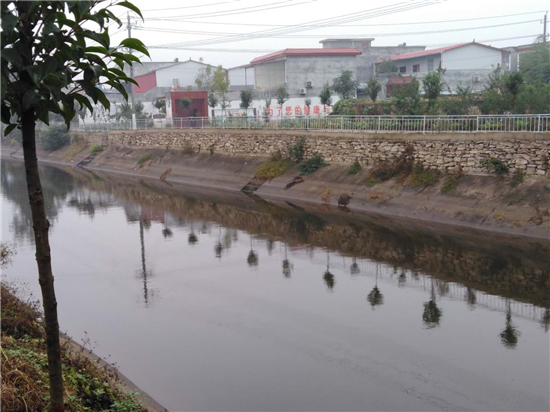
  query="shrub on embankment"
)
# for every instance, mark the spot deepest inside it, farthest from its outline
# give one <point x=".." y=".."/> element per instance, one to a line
<point x="24" y="375"/>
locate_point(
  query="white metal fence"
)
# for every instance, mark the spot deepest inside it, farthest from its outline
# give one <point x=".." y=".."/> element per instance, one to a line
<point x="538" y="123"/>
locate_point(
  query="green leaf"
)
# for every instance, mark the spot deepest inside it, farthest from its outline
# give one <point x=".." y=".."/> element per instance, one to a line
<point x="83" y="100"/>
<point x="103" y="99"/>
<point x="30" y="99"/>
<point x="43" y="114"/>
<point x="9" y="22"/>
<point x="118" y="72"/>
<point x="12" y="56"/>
<point x="94" y="36"/>
<point x="52" y="80"/>
<point x="130" y="6"/>
<point x="8" y="129"/>
<point x="96" y="49"/>
<point x="120" y="88"/>
<point x="135" y="44"/>
<point x="89" y="88"/>
<point x="49" y="28"/>
<point x="48" y="66"/>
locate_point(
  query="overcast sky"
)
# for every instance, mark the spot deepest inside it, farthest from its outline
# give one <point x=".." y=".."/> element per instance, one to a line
<point x="169" y="21"/>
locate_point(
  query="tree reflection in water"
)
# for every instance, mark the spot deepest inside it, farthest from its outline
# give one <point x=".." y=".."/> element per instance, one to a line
<point x="402" y="280"/>
<point x="545" y="322"/>
<point x="354" y="268"/>
<point x="471" y="298"/>
<point x="375" y="297"/>
<point x="252" y="258"/>
<point x="287" y="266"/>
<point x="432" y="314"/>
<point x="329" y="277"/>
<point x="144" y="273"/>
<point x="192" y="239"/>
<point x="509" y="336"/>
<point x="218" y="248"/>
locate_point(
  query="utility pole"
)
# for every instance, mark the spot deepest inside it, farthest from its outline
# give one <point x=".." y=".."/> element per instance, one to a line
<point x="132" y="96"/>
<point x="544" y="27"/>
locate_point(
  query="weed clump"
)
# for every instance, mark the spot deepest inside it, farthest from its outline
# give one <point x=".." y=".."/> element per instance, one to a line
<point x="54" y="138"/>
<point x="517" y="178"/>
<point x="421" y="177"/>
<point x="370" y="181"/>
<point x="354" y="168"/>
<point x="188" y="149"/>
<point x="273" y="168"/>
<point x="451" y="182"/>
<point x="344" y="199"/>
<point x="312" y="165"/>
<point x="96" y="149"/>
<point x="297" y="151"/>
<point x="325" y="196"/>
<point x="494" y="165"/>
<point x="144" y="157"/>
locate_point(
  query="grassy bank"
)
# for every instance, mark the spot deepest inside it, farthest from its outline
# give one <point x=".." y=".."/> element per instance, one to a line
<point x="88" y="387"/>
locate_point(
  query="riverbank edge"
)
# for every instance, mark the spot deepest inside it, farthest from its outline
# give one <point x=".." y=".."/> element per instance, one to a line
<point x="72" y="349"/>
<point x="232" y="173"/>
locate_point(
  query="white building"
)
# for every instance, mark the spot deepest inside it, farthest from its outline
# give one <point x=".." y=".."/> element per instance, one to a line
<point x="241" y="77"/>
<point x="466" y="65"/>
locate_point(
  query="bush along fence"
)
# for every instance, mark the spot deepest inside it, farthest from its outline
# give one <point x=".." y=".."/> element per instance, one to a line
<point x="537" y="123"/>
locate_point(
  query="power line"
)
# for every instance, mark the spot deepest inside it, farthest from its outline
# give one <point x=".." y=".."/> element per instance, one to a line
<point x="164" y="30"/>
<point x="191" y="7"/>
<point x="347" y="25"/>
<point x="364" y="15"/>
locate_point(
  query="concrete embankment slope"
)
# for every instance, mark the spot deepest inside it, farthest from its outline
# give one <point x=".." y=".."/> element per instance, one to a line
<point x="227" y="159"/>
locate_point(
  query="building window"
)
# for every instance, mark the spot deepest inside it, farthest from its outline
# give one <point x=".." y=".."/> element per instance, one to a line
<point x="430" y="65"/>
<point x="403" y="69"/>
<point x="416" y="68"/>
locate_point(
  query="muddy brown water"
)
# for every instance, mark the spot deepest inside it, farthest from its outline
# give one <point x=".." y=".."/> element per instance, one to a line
<point x="220" y="301"/>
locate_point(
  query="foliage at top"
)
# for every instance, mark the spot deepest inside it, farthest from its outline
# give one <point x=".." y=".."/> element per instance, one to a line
<point x="373" y="88"/>
<point x="55" y="54"/>
<point x="160" y="104"/>
<point x="282" y="95"/>
<point x="212" y="99"/>
<point x="407" y="98"/>
<point x="387" y="66"/>
<point x="125" y="111"/>
<point x="345" y="85"/>
<point x="535" y="65"/>
<point x="325" y="95"/>
<point x="205" y="78"/>
<point x="246" y="99"/>
<point x="433" y="85"/>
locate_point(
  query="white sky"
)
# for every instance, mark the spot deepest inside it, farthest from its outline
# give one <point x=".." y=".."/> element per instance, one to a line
<point x="197" y="15"/>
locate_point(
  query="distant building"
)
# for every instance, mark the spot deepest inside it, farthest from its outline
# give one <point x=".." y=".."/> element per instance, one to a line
<point x="303" y="71"/>
<point x="515" y="55"/>
<point x="164" y="77"/>
<point x="370" y="54"/>
<point x="241" y="77"/>
<point x="197" y="108"/>
<point x="466" y="65"/>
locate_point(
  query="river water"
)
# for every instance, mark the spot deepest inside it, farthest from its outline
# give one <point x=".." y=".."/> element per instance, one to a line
<point x="220" y="301"/>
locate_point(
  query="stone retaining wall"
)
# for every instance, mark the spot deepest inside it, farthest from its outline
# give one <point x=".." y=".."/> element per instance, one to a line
<point x="529" y="152"/>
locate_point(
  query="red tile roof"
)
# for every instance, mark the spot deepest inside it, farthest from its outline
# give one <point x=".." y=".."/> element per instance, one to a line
<point x="307" y="52"/>
<point x="433" y="51"/>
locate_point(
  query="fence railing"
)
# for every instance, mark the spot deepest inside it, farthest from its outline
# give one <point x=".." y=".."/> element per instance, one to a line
<point x="537" y="123"/>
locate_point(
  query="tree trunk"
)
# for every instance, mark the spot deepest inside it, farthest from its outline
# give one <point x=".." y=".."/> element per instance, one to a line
<point x="43" y="259"/>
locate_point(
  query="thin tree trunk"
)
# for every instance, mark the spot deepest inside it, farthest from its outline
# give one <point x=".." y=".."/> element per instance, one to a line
<point x="43" y="259"/>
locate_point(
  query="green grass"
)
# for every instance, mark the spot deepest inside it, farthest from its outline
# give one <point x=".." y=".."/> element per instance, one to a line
<point x="370" y="181"/>
<point x="313" y="164"/>
<point x="451" y="182"/>
<point x="517" y="178"/>
<point x="494" y="165"/>
<point x="273" y="168"/>
<point x="421" y="177"/>
<point x="96" y="149"/>
<point x="144" y="157"/>
<point x="355" y="168"/>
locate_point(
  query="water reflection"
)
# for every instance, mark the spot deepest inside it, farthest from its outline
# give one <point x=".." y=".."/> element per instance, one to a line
<point x="432" y="314"/>
<point x="479" y="273"/>
<point x="509" y="336"/>
<point x="375" y="297"/>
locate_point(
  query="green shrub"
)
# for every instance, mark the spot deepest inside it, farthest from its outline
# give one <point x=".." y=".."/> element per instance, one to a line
<point x="144" y="157"/>
<point x="451" y="182"/>
<point x="421" y="177"/>
<point x="313" y="164"/>
<point x="297" y="151"/>
<point x="494" y="165"/>
<point x="370" y="181"/>
<point x="54" y="138"/>
<point x="517" y="178"/>
<point x="354" y="168"/>
<point x="273" y="168"/>
<point x="96" y="148"/>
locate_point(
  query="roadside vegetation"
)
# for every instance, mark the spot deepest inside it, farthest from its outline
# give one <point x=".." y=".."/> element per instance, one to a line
<point x="25" y="369"/>
<point x="279" y="163"/>
<point x="96" y="149"/>
<point x="144" y="157"/>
